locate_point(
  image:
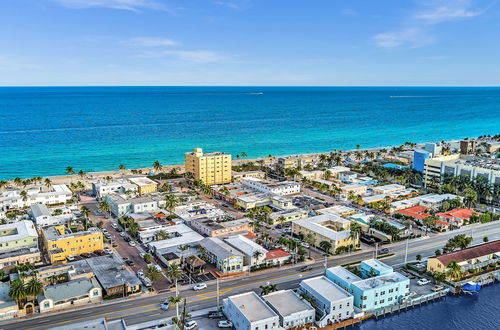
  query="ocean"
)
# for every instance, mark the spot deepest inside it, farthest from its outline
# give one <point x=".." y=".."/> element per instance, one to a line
<point x="45" y="129"/>
<point x="478" y="312"/>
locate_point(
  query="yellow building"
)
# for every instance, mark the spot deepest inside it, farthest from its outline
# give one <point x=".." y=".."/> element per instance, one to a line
<point x="60" y="243"/>
<point x="144" y="185"/>
<point x="326" y="227"/>
<point x="211" y="168"/>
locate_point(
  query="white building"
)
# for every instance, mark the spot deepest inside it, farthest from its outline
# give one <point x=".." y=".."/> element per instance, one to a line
<point x="280" y="188"/>
<point x="122" y="205"/>
<point x="120" y="186"/>
<point x="179" y="235"/>
<point x="292" y="310"/>
<point x="56" y="194"/>
<point x="254" y="254"/>
<point x="433" y="201"/>
<point x="247" y="311"/>
<point x="17" y="235"/>
<point x="389" y="188"/>
<point x="333" y="303"/>
<point x="347" y="176"/>
<point x="42" y="216"/>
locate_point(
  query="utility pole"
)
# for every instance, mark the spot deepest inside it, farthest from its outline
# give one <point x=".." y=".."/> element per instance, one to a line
<point x="217" y="281"/>
<point x="184" y="313"/>
<point x="376" y="250"/>
<point x="326" y="260"/>
<point x="406" y="250"/>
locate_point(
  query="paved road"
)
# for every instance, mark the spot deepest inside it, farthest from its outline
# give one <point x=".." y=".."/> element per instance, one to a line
<point x="141" y="309"/>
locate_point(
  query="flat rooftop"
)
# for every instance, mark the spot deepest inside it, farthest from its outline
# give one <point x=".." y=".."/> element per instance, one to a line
<point x="287" y="302"/>
<point x="17" y="230"/>
<point x="380" y="281"/>
<point x="322" y="224"/>
<point x="326" y="288"/>
<point x="344" y="274"/>
<point x="252" y="306"/>
<point x="53" y="234"/>
<point x="377" y="264"/>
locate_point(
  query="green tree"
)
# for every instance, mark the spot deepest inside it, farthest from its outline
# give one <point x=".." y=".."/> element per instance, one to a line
<point x="153" y="274"/>
<point x="17" y="291"/>
<point x="70" y="170"/>
<point x="34" y="288"/>
<point x="85" y="212"/>
<point x="157" y="166"/>
<point x="325" y="246"/>
<point x="454" y="270"/>
<point x="171" y="202"/>
<point x="104" y="207"/>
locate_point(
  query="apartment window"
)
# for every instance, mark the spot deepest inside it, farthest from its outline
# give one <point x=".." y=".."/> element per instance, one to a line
<point x="391" y="290"/>
<point x="382" y="293"/>
<point x="348" y="304"/>
<point x="382" y="301"/>
<point x="46" y="304"/>
<point x="389" y="299"/>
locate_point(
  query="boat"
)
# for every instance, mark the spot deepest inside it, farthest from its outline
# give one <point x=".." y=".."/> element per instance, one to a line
<point x="471" y="288"/>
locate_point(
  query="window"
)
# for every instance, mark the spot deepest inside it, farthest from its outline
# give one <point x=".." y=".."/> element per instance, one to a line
<point x="391" y="290"/>
<point x="46" y="304"/>
<point x="382" y="301"/>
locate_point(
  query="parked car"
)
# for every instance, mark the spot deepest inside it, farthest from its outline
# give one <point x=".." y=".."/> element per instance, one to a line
<point x="70" y="258"/>
<point x="129" y="262"/>
<point x="215" y="315"/>
<point x="383" y="251"/>
<point x="127" y="239"/>
<point x="437" y="288"/>
<point x="114" y="225"/>
<point x="199" y="286"/>
<point x="190" y="325"/>
<point x="108" y="251"/>
<point x="118" y="229"/>
<point x="287" y="230"/>
<point x="147" y="282"/>
<point x="305" y="269"/>
<point x="423" y="281"/>
<point x="140" y="275"/>
<point x="131" y="243"/>
<point x="141" y="255"/>
<point x="122" y="234"/>
<point x="305" y="245"/>
<point x="165" y="305"/>
<point x="278" y="227"/>
<point x="224" y="324"/>
<point x="158" y="268"/>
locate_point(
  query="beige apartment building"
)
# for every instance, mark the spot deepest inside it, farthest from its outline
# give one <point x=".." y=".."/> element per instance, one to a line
<point x="211" y="168"/>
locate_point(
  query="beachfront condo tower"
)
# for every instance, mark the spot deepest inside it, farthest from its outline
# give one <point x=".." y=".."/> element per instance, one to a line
<point x="211" y="168"/>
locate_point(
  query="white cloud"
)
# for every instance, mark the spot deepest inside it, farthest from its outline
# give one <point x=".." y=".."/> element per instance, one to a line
<point x="412" y="37"/>
<point x="443" y="11"/>
<point x="133" y="5"/>
<point x="416" y="32"/>
<point x="150" y="42"/>
<point x="195" y="56"/>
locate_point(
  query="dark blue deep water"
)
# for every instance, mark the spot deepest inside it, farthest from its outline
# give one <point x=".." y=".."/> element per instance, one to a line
<point x="479" y="312"/>
<point x="44" y="130"/>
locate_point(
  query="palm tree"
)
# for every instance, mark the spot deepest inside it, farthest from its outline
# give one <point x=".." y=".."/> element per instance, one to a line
<point x="24" y="195"/>
<point x="454" y="270"/>
<point x="243" y="154"/>
<point x="267" y="289"/>
<point x="153" y="274"/>
<point x="174" y="300"/>
<point x="70" y="170"/>
<point x="81" y="174"/>
<point x="104" y="206"/>
<point x="53" y="279"/>
<point x="173" y="272"/>
<point x="3" y="184"/>
<point x="256" y="255"/>
<point x="439" y="277"/>
<point x="85" y="212"/>
<point x="121" y="167"/>
<point x="171" y="202"/>
<point x="18" y="182"/>
<point x="157" y="166"/>
<point x="183" y="248"/>
<point x="310" y="239"/>
<point x="326" y="246"/>
<point x="34" y="287"/>
<point x="47" y="182"/>
<point x="17" y="291"/>
<point x="161" y="235"/>
<point x="224" y="190"/>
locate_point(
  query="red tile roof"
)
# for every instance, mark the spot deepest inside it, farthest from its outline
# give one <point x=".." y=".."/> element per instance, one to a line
<point x="442" y="223"/>
<point x="457" y="213"/>
<point x="470" y="253"/>
<point x="250" y="235"/>
<point x="416" y="212"/>
<point x="276" y="254"/>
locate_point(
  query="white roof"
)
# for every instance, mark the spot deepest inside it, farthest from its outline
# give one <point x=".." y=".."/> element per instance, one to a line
<point x="19" y="230"/>
<point x="252" y="306"/>
<point x="316" y="224"/>
<point x="245" y="245"/>
<point x="388" y="187"/>
<point x="142" y="181"/>
<point x="287" y="302"/>
<point x="186" y="236"/>
<point x="336" y="209"/>
<point x="327" y="289"/>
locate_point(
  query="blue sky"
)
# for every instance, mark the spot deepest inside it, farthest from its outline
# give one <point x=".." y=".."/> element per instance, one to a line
<point x="250" y="42"/>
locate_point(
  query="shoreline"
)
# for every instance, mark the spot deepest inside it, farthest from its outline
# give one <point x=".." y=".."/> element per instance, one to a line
<point x="58" y="179"/>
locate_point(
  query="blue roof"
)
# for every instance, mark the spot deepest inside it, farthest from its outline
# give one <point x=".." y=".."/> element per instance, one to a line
<point x="391" y="165"/>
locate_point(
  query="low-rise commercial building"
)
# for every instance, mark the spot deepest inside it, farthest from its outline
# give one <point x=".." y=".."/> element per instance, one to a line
<point x="282" y="188"/>
<point x="18" y="235"/>
<point x="332" y="303"/>
<point x="213" y="228"/>
<point x="119" y="186"/>
<point x="226" y="258"/>
<point x="433" y="201"/>
<point x="456" y="217"/>
<point x="59" y="242"/>
<point x="287" y="215"/>
<point x="15" y="257"/>
<point x="56" y="194"/>
<point x="355" y="188"/>
<point x="238" y="176"/>
<point x="326" y="227"/>
<point x="250" y="201"/>
<point x="122" y="205"/>
<point x="470" y="258"/>
<point x="379" y="287"/>
<point x="253" y="253"/>
<point x="178" y="235"/>
<point x="42" y="216"/>
<point x="68" y="294"/>
<point x="293" y="311"/>
<point x="8" y="306"/>
<point x="387" y="189"/>
<point x="144" y="185"/>
<point x="247" y="311"/>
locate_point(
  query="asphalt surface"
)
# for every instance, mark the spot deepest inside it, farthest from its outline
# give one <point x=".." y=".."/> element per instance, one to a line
<point x="146" y="308"/>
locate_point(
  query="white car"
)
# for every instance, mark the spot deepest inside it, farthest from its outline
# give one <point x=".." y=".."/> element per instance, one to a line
<point x="108" y="251"/>
<point x="140" y="275"/>
<point x="225" y="324"/>
<point x="305" y="245"/>
<point x="423" y="281"/>
<point x="190" y="325"/>
<point x="114" y="225"/>
<point x="141" y="255"/>
<point x="158" y="268"/>
<point x="200" y="286"/>
<point x="122" y="234"/>
<point x="131" y="243"/>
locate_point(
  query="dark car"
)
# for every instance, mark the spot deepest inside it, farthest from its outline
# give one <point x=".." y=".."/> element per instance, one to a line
<point x="127" y="239"/>
<point x="384" y="251"/>
<point x="215" y="315"/>
<point x="305" y="269"/>
<point x="129" y="262"/>
<point x="119" y="229"/>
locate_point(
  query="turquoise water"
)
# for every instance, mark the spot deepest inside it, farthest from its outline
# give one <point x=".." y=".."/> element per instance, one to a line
<point x="479" y="312"/>
<point x="44" y="130"/>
